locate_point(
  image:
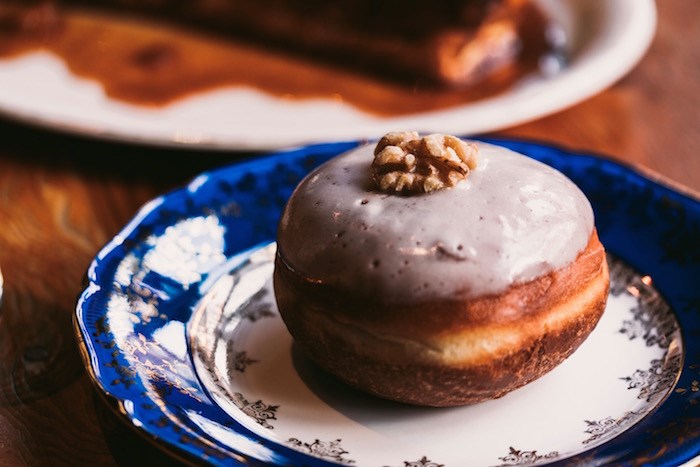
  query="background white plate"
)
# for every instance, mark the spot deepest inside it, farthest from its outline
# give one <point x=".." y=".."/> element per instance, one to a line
<point x="608" y="38"/>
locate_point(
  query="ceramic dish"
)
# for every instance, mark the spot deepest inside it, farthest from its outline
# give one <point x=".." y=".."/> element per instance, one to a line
<point x="180" y="333"/>
<point x="606" y="41"/>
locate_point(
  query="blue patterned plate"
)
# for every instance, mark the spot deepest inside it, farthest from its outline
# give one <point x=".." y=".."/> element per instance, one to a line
<point x="180" y="333"/>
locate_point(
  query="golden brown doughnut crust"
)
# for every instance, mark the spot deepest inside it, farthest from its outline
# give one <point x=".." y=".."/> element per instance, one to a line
<point x="450" y="352"/>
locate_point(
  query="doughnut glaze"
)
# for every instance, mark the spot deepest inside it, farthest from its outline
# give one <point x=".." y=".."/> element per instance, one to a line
<point x="512" y="220"/>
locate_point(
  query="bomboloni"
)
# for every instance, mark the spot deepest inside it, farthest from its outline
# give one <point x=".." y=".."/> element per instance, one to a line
<point x="438" y="272"/>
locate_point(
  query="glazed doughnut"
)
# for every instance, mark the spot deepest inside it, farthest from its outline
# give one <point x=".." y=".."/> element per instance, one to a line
<point x="444" y="298"/>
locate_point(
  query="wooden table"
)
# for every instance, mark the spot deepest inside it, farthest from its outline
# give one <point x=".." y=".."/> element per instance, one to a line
<point x="62" y="198"/>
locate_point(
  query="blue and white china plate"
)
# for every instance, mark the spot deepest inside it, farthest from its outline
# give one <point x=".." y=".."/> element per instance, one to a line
<point x="604" y="40"/>
<point x="179" y="330"/>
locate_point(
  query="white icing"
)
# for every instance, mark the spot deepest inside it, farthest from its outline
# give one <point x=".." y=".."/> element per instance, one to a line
<point x="511" y="221"/>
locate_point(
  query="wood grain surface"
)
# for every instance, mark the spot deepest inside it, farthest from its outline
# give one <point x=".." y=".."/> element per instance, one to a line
<point x="63" y="197"/>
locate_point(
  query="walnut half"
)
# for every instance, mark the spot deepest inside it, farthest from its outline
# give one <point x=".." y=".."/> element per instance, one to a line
<point x="406" y="163"/>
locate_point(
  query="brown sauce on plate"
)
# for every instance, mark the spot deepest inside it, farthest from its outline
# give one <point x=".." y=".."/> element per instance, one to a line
<point x="153" y="63"/>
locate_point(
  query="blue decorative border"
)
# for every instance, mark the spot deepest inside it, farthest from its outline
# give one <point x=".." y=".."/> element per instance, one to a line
<point x="650" y="226"/>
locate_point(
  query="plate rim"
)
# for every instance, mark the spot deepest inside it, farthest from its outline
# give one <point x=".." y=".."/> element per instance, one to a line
<point x="177" y="451"/>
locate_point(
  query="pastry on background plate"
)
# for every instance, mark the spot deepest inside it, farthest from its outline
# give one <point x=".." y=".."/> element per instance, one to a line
<point x="451" y="42"/>
<point x="438" y="272"/>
